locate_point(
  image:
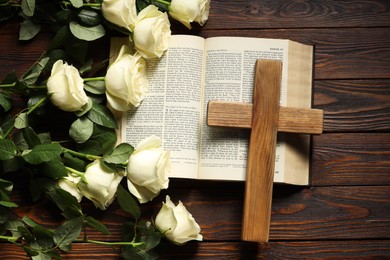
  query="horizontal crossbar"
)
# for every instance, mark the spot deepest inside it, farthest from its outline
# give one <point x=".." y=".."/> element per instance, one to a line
<point x="291" y="120"/>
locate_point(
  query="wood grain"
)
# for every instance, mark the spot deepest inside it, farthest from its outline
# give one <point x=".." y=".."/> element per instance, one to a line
<point x="345" y="213"/>
<point x="349" y="249"/>
<point x="344" y="53"/>
<point x="298" y="213"/>
<point x="351" y="159"/>
<point x="261" y="155"/>
<point x="242" y="14"/>
<point x="352" y="53"/>
<point x="239" y="115"/>
<point x="18" y="56"/>
<point x="354" y="105"/>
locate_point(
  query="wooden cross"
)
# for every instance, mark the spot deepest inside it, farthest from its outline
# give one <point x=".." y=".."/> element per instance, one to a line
<point x="265" y="118"/>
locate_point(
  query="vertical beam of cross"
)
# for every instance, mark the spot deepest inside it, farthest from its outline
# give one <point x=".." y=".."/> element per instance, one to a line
<point x="262" y="147"/>
<point x="265" y="117"/>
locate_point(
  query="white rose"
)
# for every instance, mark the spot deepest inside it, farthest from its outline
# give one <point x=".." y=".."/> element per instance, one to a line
<point x="176" y="223"/>
<point x="184" y="11"/>
<point x="126" y="81"/>
<point x="65" y="87"/>
<point x="148" y="169"/>
<point x="188" y="11"/>
<point x="70" y="184"/>
<point x="120" y="12"/>
<point x="204" y="6"/>
<point x="151" y="32"/>
<point x="102" y="184"/>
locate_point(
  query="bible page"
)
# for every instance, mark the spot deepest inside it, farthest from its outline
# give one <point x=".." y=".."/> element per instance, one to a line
<point x="229" y="75"/>
<point x="171" y="109"/>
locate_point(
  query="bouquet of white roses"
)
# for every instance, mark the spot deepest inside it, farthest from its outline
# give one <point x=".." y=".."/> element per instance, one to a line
<point x="84" y="162"/>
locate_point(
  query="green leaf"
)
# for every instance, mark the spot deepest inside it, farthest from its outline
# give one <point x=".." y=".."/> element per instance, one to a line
<point x="8" y="149"/>
<point x="68" y="232"/>
<point x="86" y="33"/>
<point x="35" y="189"/>
<point x="20" y="142"/>
<point x="58" y="39"/>
<point x="87" y="66"/>
<point x="4" y="214"/>
<point x="43" y="256"/>
<point x="106" y="137"/>
<point x="97" y="225"/>
<point x="28" y="30"/>
<point x="145" y="227"/>
<point x="5" y="102"/>
<point x="8" y="204"/>
<point x="54" y="169"/>
<point x="7" y="126"/>
<point x="120" y="155"/>
<point x="65" y="201"/>
<point x="29" y="221"/>
<point x="13" y="164"/>
<point x="12" y="226"/>
<point x="42" y="153"/>
<point x="90" y="147"/>
<point x="55" y="55"/>
<point x="152" y="240"/>
<point x="89" y="17"/>
<point x="30" y="137"/>
<point x="30" y="251"/>
<point x="74" y="162"/>
<point x="21" y="121"/>
<point x="95" y="87"/>
<point x="63" y="16"/>
<point x="77" y="3"/>
<point x="127" y="202"/>
<point x="101" y="115"/>
<point x="6" y="185"/>
<point x="10" y="78"/>
<point x="43" y="236"/>
<point x="76" y="48"/>
<point x="26" y="234"/>
<point x="102" y="141"/>
<point x="32" y="75"/>
<point x="44" y="138"/>
<point x="81" y="129"/>
<point x="142" y="5"/>
<point x="28" y="7"/>
<point x="4" y="196"/>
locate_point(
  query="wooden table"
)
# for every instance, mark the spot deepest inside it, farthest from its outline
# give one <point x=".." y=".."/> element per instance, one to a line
<point x="345" y="212"/>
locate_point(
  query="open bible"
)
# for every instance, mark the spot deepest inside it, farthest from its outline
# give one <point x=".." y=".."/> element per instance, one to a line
<point x="194" y="71"/>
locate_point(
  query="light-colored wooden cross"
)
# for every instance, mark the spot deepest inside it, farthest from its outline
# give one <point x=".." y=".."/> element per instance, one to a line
<point x="265" y="117"/>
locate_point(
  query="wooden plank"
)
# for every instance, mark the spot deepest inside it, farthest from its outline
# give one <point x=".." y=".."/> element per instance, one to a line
<point x="350" y="53"/>
<point x="351" y="159"/>
<point x="369" y="249"/>
<point x="239" y="115"/>
<point x="261" y="155"/>
<point x="242" y="14"/>
<point x="349" y="106"/>
<point x="351" y="249"/>
<point x="298" y="213"/>
<point x="354" y="105"/>
<point x="365" y="53"/>
<point x="19" y="56"/>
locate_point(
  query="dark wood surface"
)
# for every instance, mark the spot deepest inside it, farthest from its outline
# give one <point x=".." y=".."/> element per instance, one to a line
<point x="345" y="212"/>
